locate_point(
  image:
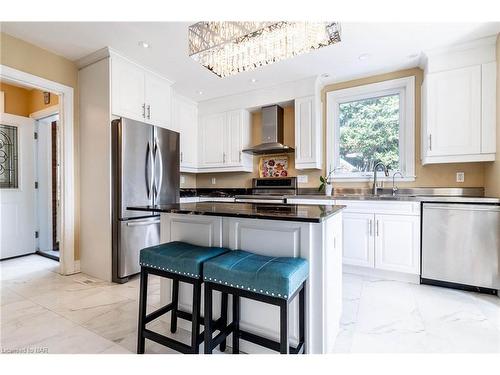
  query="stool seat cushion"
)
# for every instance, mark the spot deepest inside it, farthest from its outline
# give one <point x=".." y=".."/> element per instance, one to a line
<point x="179" y="257"/>
<point x="274" y="276"/>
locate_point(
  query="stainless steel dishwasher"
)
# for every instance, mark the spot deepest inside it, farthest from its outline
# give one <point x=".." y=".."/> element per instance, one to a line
<point x="461" y="246"/>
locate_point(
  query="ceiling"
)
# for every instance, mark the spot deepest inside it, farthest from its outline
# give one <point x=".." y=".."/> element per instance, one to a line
<point x="388" y="46"/>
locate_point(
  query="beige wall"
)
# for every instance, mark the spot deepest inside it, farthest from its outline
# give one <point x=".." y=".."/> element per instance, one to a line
<point x="492" y="170"/>
<point x="442" y="175"/>
<point x="23" y="102"/>
<point x="29" y="58"/>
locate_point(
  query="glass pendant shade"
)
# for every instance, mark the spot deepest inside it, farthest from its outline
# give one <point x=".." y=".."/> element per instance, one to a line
<point x="227" y="48"/>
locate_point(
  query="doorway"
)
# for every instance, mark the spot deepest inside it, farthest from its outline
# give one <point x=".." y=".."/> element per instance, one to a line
<point x="47" y="192"/>
<point x="67" y="218"/>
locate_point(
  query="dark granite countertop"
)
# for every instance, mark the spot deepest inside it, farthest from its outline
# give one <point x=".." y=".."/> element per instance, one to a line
<point x="283" y="212"/>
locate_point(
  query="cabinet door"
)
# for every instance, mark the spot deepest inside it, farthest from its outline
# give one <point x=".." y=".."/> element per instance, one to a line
<point x="158" y="100"/>
<point x="188" y="124"/>
<point x="306" y="145"/>
<point x="358" y="239"/>
<point x="233" y="138"/>
<point x="127" y="90"/>
<point x="397" y="239"/>
<point x="454" y="112"/>
<point x="212" y="140"/>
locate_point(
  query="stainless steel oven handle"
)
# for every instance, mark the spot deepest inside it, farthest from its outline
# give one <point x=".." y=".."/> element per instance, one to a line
<point x="142" y="223"/>
<point x="259" y="201"/>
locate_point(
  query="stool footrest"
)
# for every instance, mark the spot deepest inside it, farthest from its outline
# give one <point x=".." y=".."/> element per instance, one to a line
<point x="267" y="343"/>
<point x="222" y="335"/>
<point x="157" y="313"/>
<point x="167" y="341"/>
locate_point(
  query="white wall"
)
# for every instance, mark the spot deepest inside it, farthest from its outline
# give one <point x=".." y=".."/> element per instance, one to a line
<point x="254" y="99"/>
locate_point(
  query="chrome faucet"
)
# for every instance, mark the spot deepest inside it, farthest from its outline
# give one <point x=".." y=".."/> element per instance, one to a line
<point x="379" y="164"/>
<point x="394" y="187"/>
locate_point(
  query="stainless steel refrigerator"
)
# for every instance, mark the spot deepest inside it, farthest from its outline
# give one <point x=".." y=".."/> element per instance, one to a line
<point x="145" y="171"/>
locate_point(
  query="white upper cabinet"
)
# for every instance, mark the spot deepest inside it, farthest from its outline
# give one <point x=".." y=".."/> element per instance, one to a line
<point x="223" y="136"/>
<point x="458" y="106"/>
<point x="127" y="90"/>
<point x="157" y="96"/>
<point x="139" y="94"/>
<point x="212" y="140"/>
<point x="185" y="121"/>
<point x="308" y="143"/>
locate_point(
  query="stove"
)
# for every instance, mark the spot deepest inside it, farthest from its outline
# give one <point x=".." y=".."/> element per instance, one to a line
<point x="270" y="190"/>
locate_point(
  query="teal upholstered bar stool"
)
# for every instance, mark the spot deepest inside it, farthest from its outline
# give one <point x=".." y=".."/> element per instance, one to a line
<point x="273" y="280"/>
<point x="180" y="262"/>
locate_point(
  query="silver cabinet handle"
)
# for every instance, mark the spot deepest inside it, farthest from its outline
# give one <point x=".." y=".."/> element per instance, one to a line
<point x="376" y="227"/>
<point x="430" y="142"/>
<point x="143" y="110"/>
<point x="370" y="227"/>
<point x="223" y="157"/>
<point x="149" y="111"/>
<point x="181" y="156"/>
<point x="240" y="156"/>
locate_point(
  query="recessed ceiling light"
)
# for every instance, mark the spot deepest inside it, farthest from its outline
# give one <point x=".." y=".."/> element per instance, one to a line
<point x="253" y="80"/>
<point x="200" y="92"/>
<point x="413" y="55"/>
<point x="363" y="56"/>
<point x="144" y="44"/>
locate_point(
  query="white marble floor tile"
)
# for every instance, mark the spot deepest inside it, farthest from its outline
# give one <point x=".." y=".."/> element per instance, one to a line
<point x="81" y="314"/>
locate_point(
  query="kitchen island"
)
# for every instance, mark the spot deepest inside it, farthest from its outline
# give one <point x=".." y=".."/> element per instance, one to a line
<point x="311" y="232"/>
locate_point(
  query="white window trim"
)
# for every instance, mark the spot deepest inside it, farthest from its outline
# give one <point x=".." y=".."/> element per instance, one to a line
<point x="403" y="86"/>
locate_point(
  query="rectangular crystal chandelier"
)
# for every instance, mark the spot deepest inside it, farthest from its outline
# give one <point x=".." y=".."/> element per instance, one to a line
<point x="228" y="48"/>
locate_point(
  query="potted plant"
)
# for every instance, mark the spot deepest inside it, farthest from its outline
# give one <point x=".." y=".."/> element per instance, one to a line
<point x="326" y="183"/>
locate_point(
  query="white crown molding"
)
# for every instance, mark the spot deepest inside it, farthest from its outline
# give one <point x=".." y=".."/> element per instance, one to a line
<point x="106" y="52"/>
<point x="477" y="52"/>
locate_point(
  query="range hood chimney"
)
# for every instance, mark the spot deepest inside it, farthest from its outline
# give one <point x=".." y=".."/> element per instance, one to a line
<point x="272" y="133"/>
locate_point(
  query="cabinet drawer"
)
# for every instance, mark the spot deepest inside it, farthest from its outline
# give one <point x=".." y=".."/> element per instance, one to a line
<point x="382" y="207"/>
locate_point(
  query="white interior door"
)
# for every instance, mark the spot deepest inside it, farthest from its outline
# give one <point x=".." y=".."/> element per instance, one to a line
<point x="17" y="204"/>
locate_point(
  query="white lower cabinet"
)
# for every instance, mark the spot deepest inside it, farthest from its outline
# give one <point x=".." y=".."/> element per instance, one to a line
<point x="397" y="239"/>
<point x="384" y="242"/>
<point x="358" y="240"/>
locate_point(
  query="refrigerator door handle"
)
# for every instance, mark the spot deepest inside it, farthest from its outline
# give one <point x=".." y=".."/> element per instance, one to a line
<point x="159" y="175"/>
<point x="149" y="169"/>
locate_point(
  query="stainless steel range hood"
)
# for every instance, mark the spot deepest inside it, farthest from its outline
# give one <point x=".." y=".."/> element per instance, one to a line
<point x="272" y="133"/>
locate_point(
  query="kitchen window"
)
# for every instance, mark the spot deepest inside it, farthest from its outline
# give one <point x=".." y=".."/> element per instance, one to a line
<point x="370" y="124"/>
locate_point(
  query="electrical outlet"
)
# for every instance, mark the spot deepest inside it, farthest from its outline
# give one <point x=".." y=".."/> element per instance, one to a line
<point x="302" y="179"/>
<point x="183" y="179"/>
<point x="460" y="176"/>
<point x="214" y="180"/>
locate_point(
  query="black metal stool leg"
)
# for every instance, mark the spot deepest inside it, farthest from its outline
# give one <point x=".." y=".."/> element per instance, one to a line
<point x="143" y="294"/>
<point x="223" y="314"/>
<point x="236" y="322"/>
<point x="284" y="348"/>
<point x="302" y="318"/>
<point x="195" y="328"/>
<point x="208" y="319"/>
<point x="175" y="306"/>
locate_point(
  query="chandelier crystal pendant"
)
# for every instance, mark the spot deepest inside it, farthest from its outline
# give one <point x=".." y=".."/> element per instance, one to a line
<point x="227" y="48"/>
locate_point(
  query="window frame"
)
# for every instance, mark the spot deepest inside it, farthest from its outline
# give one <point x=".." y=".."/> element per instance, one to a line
<point x="405" y="87"/>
